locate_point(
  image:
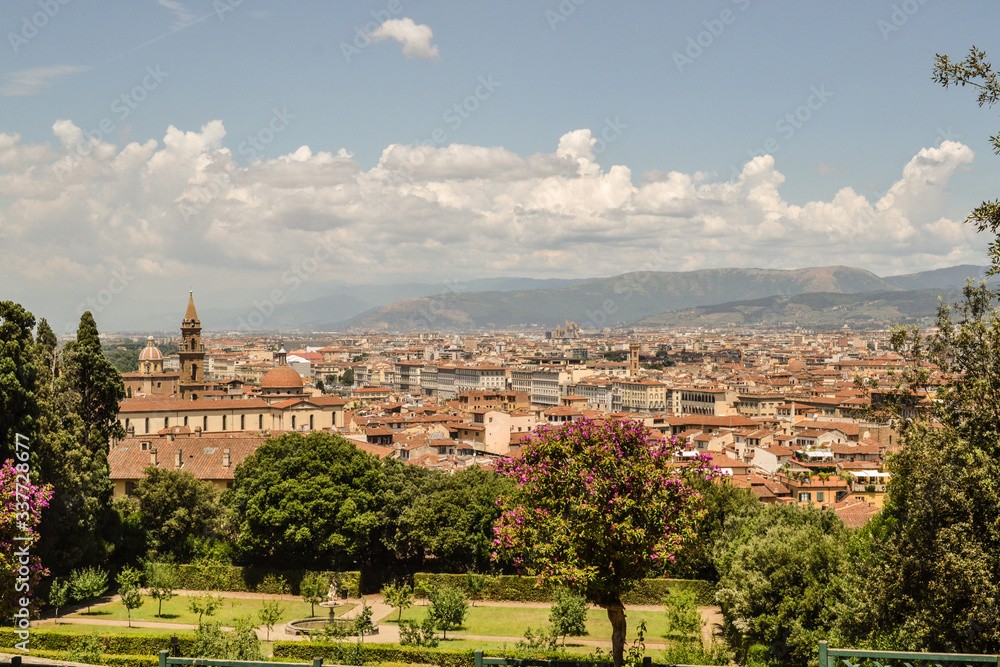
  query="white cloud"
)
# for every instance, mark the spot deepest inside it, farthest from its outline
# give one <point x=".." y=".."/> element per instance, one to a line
<point x="416" y="39"/>
<point x="183" y="14"/>
<point x="182" y="211"/>
<point x="36" y="80"/>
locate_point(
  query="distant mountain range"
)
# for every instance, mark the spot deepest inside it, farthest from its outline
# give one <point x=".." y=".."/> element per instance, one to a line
<point x="640" y="298"/>
<point x="821" y="311"/>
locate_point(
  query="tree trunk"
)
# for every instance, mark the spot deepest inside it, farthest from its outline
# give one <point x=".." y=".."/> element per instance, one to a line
<point x="616" y="614"/>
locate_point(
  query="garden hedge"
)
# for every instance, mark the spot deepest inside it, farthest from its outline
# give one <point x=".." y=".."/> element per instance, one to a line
<point x="382" y="653"/>
<point x="109" y="660"/>
<point x="246" y="579"/>
<point x="514" y="588"/>
<point x="116" y="644"/>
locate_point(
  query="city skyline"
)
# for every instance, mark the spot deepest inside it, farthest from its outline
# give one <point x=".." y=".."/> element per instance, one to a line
<point x="246" y="147"/>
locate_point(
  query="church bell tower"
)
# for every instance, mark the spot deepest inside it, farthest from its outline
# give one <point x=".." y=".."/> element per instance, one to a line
<point x="192" y="354"/>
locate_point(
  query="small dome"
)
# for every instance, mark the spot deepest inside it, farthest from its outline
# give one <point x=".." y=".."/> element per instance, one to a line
<point x="150" y="352"/>
<point x="281" y="377"/>
<point x="796" y="366"/>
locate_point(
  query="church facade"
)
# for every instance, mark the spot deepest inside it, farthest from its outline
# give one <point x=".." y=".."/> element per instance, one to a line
<point x="179" y="403"/>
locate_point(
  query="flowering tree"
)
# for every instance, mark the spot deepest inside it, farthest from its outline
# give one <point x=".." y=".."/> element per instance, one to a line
<point x="596" y="508"/>
<point x="21" y="504"/>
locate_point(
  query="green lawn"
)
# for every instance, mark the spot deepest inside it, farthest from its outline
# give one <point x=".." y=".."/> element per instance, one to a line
<point x="176" y="610"/>
<point x="513" y="621"/>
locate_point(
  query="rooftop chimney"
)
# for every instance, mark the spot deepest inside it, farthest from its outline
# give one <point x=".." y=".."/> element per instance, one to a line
<point x="152" y="457"/>
<point x="178" y="459"/>
<point x="226" y="459"/>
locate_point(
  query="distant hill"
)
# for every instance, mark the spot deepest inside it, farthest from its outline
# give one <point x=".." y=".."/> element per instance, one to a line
<point x="344" y="302"/>
<point x="611" y="301"/>
<point x="823" y="311"/>
<point x="951" y="278"/>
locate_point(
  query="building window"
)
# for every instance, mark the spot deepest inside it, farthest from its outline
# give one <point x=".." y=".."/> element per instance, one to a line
<point x="243" y="422"/>
<point x="129" y="488"/>
<point x="260" y="422"/>
<point x="223" y="422"/>
<point x="185" y="420"/>
<point x="166" y="422"/>
<point x="147" y="425"/>
<point x="819" y="496"/>
<point x="310" y="422"/>
<point x="126" y="424"/>
<point x="204" y="423"/>
<point x="805" y="497"/>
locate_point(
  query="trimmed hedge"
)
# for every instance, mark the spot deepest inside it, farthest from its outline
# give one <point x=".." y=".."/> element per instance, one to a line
<point x="380" y="653"/>
<point x="246" y="579"/>
<point x="109" y="660"/>
<point x="116" y="644"/>
<point x="515" y="588"/>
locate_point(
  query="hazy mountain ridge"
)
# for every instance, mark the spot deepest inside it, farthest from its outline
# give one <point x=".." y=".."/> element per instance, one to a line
<point x="633" y="296"/>
<point x="822" y="311"/>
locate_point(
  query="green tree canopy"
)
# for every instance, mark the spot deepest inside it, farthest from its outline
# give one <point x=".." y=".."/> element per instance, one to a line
<point x="307" y="501"/>
<point x="96" y="384"/>
<point x="931" y="577"/>
<point x="176" y="508"/>
<point x="18" y="377"/>
<point x="782" y="583"/>
<point x="78" y="395"/>
<point x="452" y="518"/>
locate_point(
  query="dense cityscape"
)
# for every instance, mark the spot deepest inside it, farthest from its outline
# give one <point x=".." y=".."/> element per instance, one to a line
<point x="548" y="334"/>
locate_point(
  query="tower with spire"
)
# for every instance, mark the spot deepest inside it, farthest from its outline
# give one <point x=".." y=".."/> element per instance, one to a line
<point x="192" y="354"/>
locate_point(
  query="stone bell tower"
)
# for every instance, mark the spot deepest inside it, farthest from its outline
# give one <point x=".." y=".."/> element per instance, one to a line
<point x="192" y="354"/>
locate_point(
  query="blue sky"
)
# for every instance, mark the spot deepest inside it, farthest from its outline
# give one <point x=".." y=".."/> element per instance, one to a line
<point x="560" y="139"/>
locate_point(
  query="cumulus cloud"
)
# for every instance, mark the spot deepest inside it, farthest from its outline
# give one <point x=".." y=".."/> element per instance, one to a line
<point x="416" y="39"/>
<point x="36" y="80"/>
<point x="182" y="211"/>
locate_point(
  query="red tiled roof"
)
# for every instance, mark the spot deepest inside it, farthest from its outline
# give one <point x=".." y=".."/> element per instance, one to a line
<point x="202" y="457"/>
<point x="180" y="405"/>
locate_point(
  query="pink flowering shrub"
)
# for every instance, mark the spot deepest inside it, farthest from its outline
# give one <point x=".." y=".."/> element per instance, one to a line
<point x="21" y="504"/>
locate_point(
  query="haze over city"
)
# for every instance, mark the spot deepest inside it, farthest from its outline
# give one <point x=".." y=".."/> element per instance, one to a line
<point x="237" y="148"/>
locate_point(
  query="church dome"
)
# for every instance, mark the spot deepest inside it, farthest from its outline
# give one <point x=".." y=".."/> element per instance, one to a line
<point x="797" y="366"/>
<point x="150" y="352"/>
<point x="281" y="377"/>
